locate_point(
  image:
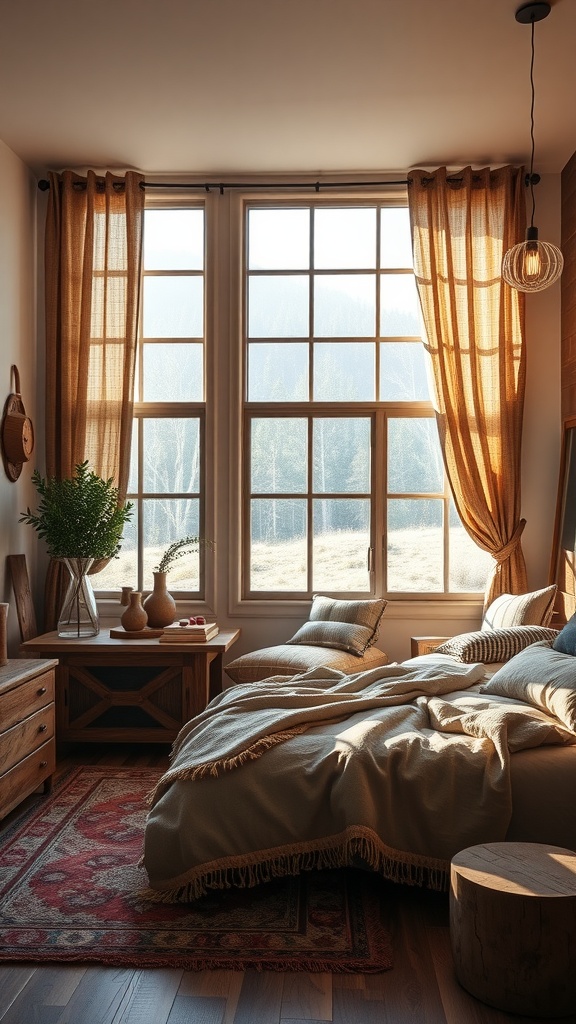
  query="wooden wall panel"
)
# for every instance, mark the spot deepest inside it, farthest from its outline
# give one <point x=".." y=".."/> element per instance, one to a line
<point x="568" y="245"/>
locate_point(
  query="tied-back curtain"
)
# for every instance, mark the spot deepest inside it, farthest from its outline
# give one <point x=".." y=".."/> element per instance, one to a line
<point x="462" y="224"/>
<point x="93" y="255"/>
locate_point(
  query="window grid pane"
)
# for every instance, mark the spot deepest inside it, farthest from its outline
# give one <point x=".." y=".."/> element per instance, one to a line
<point x="336" y="281"/>
<point x="166" y="481"/>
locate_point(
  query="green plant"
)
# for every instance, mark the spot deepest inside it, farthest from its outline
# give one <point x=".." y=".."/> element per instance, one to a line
<point x="79" y="516"/>
<point x="176" y="550"/>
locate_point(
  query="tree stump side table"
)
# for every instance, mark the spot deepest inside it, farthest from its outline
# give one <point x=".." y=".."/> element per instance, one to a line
<point x="513" y="926"/>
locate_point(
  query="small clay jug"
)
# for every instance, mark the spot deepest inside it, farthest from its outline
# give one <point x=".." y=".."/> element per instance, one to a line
<point x="135" y="617"/>
<point x="160" y="606"/>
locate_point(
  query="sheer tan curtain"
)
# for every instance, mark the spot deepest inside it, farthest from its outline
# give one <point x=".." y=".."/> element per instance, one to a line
<point x="461" y="226"/>
<point x="93" y="254"/>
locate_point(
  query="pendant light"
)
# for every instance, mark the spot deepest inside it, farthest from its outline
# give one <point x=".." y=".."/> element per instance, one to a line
<point x="532" y="265"/>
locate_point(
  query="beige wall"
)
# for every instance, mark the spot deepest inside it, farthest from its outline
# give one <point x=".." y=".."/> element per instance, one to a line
<point x="17" y="346"/>
<point x="569" y="289"/>
<point x="542" y="433"/>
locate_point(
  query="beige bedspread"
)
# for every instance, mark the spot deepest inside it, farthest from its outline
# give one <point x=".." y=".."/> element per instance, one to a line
<point x="327" y="770"/>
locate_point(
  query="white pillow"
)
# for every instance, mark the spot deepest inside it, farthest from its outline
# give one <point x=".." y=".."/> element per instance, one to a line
<point x="533" y="609"/>
<point x="542" y="677"/>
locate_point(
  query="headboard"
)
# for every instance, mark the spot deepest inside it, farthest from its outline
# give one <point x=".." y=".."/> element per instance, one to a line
<point x="563" y="561"/>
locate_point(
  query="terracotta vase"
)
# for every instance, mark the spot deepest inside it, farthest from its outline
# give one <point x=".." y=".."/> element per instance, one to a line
<point x="135" y="617"/>
<point x="160" y="606"/>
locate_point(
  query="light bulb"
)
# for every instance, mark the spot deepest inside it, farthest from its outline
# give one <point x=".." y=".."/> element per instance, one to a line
<point x="532" y="262"/>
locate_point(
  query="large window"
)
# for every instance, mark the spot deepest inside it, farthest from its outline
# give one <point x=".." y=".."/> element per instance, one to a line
<point x="340" y="486"/>
<point x="344" y="486"/>
<point x="166" y="473"/>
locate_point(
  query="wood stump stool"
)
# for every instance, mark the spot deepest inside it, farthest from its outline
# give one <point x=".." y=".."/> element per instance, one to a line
<point x="513" y="926"/>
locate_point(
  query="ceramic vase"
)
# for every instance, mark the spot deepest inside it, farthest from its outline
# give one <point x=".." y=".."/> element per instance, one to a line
<point x="135" y="617"/>
<point x="3" y="634"/>
<point x="79" y="615"/>
<point x="160" y="606"/>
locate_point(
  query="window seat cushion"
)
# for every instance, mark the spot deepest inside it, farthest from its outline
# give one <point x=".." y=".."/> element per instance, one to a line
<point x="290" y="659"/>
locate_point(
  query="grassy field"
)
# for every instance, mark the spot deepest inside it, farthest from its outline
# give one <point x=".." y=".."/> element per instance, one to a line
<point x="414" y="564"/>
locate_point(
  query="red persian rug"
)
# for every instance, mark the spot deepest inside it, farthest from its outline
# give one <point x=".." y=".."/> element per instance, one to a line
<point x="71" y="890"/>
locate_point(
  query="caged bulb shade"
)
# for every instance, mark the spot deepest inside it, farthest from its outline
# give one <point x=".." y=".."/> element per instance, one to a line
<point x="531" y="266"/>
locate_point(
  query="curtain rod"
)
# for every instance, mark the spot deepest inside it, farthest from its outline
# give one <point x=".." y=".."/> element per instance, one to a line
<point x="207" y="186"/>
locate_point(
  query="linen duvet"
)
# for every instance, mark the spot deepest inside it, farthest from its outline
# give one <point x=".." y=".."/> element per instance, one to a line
<point x="395" y="768"/>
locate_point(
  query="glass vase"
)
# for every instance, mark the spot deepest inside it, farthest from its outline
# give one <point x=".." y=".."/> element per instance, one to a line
<point x="79" y="615"/>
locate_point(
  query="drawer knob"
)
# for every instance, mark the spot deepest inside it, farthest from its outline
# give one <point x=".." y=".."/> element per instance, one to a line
<point x="43" y="764"/>
<point x="41" y="690"/>
<point x="42" y="728"/>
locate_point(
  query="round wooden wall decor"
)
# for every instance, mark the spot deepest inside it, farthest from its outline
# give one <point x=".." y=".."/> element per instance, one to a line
<point x="16" y="432"/>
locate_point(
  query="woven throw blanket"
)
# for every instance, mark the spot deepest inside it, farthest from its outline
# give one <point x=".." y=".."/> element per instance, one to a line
<point x="326" y="769"/>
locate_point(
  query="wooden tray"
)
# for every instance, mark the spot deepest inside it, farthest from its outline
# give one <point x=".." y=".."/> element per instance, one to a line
<point x="119" y="633"/>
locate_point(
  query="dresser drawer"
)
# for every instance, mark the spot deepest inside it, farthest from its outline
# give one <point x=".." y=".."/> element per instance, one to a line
<point x="24" y="700"/>
<point x="27" y="776"/>
<point x="22" y="739"/>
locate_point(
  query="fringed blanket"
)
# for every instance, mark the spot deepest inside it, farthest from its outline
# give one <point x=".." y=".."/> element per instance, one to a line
<point x="328" y="770"/>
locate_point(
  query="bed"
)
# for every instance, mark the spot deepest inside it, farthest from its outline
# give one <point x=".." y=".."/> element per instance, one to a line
<point x="394" y="768"/>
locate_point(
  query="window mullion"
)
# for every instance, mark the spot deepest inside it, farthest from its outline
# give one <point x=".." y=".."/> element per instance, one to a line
<point x="379" y="490"/>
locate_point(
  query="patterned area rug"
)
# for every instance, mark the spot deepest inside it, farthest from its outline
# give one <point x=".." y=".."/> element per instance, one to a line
<point x="71" y="890"/>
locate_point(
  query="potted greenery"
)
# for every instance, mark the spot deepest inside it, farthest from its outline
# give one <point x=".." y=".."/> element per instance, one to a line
<point x="81" y="519"/>
<point x="160" y="606"/>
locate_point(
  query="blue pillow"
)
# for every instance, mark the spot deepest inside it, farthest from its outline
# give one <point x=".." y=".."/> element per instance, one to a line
<point x="565" y="642"/>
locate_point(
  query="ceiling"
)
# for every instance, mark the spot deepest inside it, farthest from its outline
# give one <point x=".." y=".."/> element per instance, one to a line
<point x="219" y="87"/>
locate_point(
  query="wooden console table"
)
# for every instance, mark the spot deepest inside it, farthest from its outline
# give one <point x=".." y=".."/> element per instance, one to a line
<point x="130" y="691"/>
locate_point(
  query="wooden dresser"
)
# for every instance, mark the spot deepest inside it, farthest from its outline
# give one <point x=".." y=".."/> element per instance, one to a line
<point x="27" y="745"/>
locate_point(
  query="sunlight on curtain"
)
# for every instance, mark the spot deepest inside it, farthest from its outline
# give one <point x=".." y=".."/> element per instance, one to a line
<point x="461" y="226"/>
<point x="93" y="254"/>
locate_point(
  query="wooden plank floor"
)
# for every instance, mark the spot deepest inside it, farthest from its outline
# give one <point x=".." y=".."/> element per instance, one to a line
<point x="420" y="989"/>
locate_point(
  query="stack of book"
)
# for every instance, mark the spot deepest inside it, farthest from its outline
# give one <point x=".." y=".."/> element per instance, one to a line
<point x="183" y="634"/>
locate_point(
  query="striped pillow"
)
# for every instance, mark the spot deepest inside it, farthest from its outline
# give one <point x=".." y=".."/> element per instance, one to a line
<point x="343" y="636"/>
<point x="344" y="625"/>
<point x="489" y="645"/>
<point x="533" y="609"/>
<point x="361" y="613"/>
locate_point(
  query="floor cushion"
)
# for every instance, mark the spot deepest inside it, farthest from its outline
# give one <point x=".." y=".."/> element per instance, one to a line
<point x="289" y="659"/>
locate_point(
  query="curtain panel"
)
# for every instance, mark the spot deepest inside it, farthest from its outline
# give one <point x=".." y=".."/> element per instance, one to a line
<point x="462" y="224"/>
<point x="93" y="255"/>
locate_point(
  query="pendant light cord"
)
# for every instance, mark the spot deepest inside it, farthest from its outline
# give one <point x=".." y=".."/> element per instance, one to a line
<point x="532" y="129"/>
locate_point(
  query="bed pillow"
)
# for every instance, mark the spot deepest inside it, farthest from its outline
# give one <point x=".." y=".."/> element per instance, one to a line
<point x="489" y="645"/>
<point x="343" y="625"/>
<point x="287" y="660"/>
<point x="565" y="642"/>
<point x="542" y="677"/>
<point x="361" y="613"/>
<point x="533" y="609"/>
